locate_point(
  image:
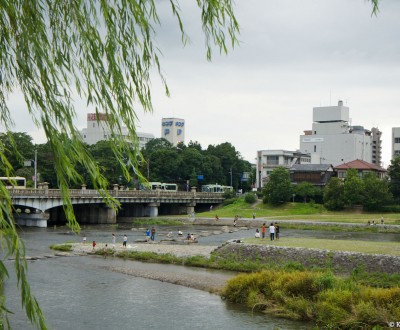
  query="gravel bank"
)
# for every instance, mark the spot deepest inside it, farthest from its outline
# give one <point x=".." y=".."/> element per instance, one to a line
<point x="211" y="281"/>
<point x="181" y="250"/>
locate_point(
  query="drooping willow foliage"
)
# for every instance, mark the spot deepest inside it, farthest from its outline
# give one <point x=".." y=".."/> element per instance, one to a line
<point x="99" y="51"/>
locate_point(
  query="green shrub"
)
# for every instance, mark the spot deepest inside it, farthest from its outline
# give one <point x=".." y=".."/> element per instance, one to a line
<point x="61" y="247"/>
<point x="250" y="198"/>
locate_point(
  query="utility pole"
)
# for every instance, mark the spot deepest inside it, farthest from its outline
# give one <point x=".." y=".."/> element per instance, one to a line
<point x="35" y="166"/>
<point x="231" y="176"/>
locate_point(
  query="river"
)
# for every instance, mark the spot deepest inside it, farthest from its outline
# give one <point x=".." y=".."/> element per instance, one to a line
<point x="85" y="293"/>
<point x="82" y="292"/>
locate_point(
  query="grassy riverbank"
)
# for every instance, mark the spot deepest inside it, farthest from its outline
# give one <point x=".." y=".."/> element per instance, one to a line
<point x="369" y="247"/>
<point x="297" y="211"/>
<point x="320" y="297"/>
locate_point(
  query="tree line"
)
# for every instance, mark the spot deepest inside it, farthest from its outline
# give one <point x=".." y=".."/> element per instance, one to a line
<point x="159" y="161"/>
<point x="369" y="191"/>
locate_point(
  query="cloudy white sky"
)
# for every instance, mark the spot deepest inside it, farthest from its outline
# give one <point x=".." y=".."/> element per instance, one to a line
<point x="294" y="55"/>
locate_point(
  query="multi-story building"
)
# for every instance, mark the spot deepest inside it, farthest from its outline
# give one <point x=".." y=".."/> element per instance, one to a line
<point x="333" y="140"/>
<point x="173" y="130"/>
<point x="268" y="160"/>
<point x="376" y="146"/>
<point x="97" y="129"/>
<point x="395" y="142"/>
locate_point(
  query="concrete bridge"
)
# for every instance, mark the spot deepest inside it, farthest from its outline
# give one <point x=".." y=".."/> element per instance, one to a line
<point x="37" y="207"/>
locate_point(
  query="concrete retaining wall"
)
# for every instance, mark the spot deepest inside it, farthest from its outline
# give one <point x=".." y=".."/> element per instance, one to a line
<point x="341" y="262"/>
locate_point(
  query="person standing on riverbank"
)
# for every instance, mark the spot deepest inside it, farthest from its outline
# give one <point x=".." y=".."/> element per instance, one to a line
<point x="263" y="229"/>
<point x="277" y="231"/>
<point x="153" y="233"/>
<point x="147" y="234"/>
<point x="124" y="241"/>
<point x="272" y="231"/>
<point x="113" y="240"/>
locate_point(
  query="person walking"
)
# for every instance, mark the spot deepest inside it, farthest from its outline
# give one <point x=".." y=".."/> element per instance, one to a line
<point x="272" y="231"/>
<point x="147" y="234"/>
<point x="263" y="229"/>
<point x="153" y="233"/>
<point x="124" y="241"/>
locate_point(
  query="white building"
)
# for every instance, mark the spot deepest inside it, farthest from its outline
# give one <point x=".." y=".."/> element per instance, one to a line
<point x="268" y="160"/>
<point x="395" y="142"/>
<point x="333" y="141"/>
<point x="98" y="130"/>
<point x="173" y="130"/>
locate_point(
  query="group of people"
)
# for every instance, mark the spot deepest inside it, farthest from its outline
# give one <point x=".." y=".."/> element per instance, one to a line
<point x="150" y="234"/>
<point x="273" y="231"/>
<point x="113" y="241"/>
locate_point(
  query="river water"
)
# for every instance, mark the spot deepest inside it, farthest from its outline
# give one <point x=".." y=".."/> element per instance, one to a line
<point x="82" y="292"/>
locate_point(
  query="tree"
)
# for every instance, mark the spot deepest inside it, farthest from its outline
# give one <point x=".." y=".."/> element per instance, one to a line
<point x="17" y="148"/>
<point x="304" y="190"/>
<point x="334" y="194"/>
<point x="376" y="193"/>
<point x="103" y="52"/>
<point x="353" y="188"/>
<point x="394" y="174"/>
<point x="278" y="189"/>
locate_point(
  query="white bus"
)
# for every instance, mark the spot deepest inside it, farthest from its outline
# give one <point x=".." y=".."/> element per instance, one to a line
<point x="13" y="182"/>
<point x="158" y="185"/>
<point x="216" y="188"/>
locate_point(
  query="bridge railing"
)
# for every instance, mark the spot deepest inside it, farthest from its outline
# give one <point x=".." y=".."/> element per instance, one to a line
<point x="82" y="193"/>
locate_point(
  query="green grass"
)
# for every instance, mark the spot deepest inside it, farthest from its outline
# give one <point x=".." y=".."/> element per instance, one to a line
<point x="327" y="300"/>
<point x="370" y="247"/>
<point x="297" y="211"/>
<point x="61" y="247"/>
<point x="148" y="222"/>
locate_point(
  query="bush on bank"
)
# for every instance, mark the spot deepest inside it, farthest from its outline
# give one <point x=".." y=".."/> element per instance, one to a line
<point x="320" y="297"/>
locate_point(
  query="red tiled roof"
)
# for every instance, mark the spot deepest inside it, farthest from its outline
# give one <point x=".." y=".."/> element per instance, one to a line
<point x="360" y="165"/>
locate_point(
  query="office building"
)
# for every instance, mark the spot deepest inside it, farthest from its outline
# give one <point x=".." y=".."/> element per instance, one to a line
<point x="334" y="141"/>
<point x="173" y="130"/>
<point x="395" y="142"/>
<point x="97" y="130"/>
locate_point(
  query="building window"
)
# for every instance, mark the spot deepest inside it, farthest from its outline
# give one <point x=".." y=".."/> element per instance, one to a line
<point x="397" y="140"/>
<point x="273" y="160"/>
<point x="315" y="148"/>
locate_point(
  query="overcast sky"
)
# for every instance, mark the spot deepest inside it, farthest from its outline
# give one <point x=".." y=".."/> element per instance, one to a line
<point x="294" y="55"/>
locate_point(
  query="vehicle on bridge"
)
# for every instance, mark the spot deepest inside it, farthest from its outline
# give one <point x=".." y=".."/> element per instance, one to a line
<point x="158" y="185"/>
<point x="216" y="188"/>
<point x="13" y="182"/>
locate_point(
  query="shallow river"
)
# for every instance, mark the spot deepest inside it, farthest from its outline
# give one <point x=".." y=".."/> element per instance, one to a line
<point x="83" y="293"/>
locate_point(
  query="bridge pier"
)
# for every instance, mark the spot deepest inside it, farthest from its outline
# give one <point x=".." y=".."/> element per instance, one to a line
<point x="38" y="219"/>
<point x="152" y="210"/>
<point x="96" y="214"/>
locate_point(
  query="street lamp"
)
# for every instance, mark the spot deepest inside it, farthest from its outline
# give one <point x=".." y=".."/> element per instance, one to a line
<point x="28" y="163"/>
